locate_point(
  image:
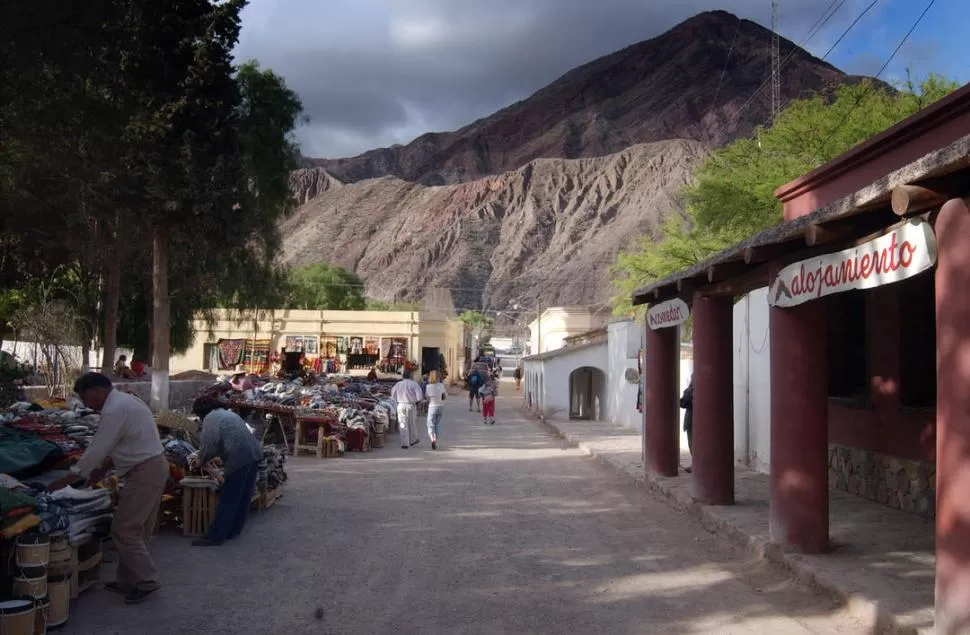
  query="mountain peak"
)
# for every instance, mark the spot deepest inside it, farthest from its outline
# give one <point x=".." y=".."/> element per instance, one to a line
<point x="667" y="87"/>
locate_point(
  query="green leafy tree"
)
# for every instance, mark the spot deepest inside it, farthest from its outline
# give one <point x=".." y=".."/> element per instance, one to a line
<point x="322" y="287"/>
<point x="381" y="305"/>
<point x="732" y="196"/>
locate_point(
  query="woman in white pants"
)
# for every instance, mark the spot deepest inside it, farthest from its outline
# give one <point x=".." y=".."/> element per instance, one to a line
<point x="435" y="392"/>
<point x="407" y="393"/>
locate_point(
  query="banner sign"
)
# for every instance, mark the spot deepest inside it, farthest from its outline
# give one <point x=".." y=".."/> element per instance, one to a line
<point x="897" y="255"/>
<point x="666" y="314"/>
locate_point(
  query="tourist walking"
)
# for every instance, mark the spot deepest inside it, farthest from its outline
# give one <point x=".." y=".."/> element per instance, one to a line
<point x="126" y="441"/>
<point x="687" y="403"/>
<point x="436" y="392"/>
<point x="476" y="380"/>
<point x="226" y="435"/>
<point x="489" y="391"/>
<point x="408" y="394"/>
<point x="517" y="375"/>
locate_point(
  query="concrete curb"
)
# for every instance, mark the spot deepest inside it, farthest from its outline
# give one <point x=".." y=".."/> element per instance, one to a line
<point x="879" y="620"/>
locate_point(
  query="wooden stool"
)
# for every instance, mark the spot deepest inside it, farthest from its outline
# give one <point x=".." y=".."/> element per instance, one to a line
<point x="327" y="447"/>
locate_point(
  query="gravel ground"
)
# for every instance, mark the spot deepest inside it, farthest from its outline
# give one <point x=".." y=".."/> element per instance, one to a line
<point x="503" y="530"/>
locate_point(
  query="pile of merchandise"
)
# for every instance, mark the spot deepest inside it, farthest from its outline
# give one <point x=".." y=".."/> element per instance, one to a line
<point x="354" y="409"/>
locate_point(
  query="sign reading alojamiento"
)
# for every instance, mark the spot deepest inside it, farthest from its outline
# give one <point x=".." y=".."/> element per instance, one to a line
<point x="896" y="255"/>
<point x="666" y="314"/>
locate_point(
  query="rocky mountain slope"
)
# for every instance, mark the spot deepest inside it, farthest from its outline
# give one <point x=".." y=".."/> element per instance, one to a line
<point x="548" y="229"/>
<point x="665" y="88"/>
<point x="537" y="199"/>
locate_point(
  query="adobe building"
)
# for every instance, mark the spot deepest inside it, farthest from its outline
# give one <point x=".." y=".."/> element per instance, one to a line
<point x="347" y="341"/>
<point x="869" y="296"/>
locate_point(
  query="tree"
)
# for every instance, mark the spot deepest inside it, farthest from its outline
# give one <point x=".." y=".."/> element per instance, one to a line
<point x="381" y="305"/>
<point x="323" y="287"/>
<point x="732" y="196"/>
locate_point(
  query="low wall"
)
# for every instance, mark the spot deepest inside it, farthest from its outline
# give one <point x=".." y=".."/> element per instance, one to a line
<point x="180" y="393"/>
<point x="904" y="484"/>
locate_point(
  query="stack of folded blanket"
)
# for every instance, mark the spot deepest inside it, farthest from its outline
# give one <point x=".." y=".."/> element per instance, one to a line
<point x="88" y="511"/>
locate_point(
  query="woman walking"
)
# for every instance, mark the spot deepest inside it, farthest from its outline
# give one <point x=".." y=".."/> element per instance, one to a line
<point x="435" y="392"/>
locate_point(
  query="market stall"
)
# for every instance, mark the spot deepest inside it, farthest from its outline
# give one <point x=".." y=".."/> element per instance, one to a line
<point x="351" y="413"/>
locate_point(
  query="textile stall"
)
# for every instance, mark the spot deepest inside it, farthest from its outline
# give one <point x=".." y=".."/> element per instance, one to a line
<point x="52" y="543"/>
<point x="352" y="413"/>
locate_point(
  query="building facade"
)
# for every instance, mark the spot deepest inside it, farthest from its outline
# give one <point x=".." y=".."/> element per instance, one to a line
<point x="550" y="331"/>
<point x="356" y="340"/>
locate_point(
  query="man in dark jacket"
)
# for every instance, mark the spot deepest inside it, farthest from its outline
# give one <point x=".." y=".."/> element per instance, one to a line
<point x="687" y="403"/>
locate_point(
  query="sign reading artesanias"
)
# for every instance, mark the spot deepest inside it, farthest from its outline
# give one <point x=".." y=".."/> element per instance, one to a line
<point x="902" y="253"/>
<point x="666" y="314"/>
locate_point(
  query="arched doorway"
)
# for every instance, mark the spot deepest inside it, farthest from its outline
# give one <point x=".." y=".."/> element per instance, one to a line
<point x="587" y="387"/>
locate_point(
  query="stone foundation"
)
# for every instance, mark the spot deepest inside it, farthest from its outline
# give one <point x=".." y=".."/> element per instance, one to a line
<point x="898" y="483"/>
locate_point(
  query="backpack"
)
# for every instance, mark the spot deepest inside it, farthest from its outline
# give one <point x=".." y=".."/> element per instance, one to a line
<point x="475" y="380"/>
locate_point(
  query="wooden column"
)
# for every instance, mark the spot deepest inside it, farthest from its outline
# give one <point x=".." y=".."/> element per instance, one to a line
<point x="799" y="492"/>
<point x="661" y="412"/>
<point x="713" y="463"/>
<point x="953" y="419"/>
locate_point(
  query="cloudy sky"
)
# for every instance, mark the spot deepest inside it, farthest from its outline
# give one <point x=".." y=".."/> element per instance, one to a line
<point x="373" y="73"/>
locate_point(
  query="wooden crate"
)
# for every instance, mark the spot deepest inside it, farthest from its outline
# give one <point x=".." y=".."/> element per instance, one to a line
<point x="198" y="509"/>
<point x="268" y="498"/>
<point x="327" y="447"/>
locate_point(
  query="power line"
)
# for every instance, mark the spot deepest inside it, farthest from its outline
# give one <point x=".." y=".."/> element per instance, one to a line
<point x="819" y="24"/>
<point x="885" y="65"/>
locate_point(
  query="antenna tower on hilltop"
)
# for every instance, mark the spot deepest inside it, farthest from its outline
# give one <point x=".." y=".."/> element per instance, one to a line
<point x="775" y="62"/>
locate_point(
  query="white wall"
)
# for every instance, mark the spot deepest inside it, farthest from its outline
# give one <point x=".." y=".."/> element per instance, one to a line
<point x="752" y="382"/>
<point x="624" y="340"/>
<point x="547" y="377"/>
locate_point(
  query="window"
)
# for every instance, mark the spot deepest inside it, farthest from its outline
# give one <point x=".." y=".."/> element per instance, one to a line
<point x="848" y="371"/>
<point x="210" y="356"/>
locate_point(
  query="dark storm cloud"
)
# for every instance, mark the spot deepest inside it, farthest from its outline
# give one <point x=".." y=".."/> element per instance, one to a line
<point x="377" y="72"/>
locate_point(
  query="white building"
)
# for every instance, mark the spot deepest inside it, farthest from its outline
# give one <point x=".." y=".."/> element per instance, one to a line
<point x="596" y="378"/>
<point x="556" y="324"/>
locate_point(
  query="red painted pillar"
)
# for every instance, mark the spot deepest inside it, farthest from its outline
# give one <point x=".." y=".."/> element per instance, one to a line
<point x="661" y="414"/>
<point x="799" y="489"/>
<point x="953" y="419"/>
<point x="713" y="462"/>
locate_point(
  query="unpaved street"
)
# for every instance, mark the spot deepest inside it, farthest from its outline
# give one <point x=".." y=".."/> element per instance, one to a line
<point x="501" y="531"/>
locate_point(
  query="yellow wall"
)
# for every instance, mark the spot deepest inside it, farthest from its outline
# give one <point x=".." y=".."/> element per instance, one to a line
<point x="420" y="329"/>
<point x="558" y="323"/>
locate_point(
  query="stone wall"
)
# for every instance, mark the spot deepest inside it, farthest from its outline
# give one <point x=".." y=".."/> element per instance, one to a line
<point x="180" y="392"/>
<point x="899" y="483"/>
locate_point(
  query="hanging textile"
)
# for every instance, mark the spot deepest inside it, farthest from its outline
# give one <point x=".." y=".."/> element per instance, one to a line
<point x="385" y="348"/>
<point x="328" y="345"/>
<point x="372" y="345"/>
<point x="395" y="349"/>
<point x="356" y="346"/>
<point x="341" y="345"/>
<point x="255" y="355"/>
<point x="294" y="343"/>
<point x="230" y="353"/>
<point x="310" y="345"/>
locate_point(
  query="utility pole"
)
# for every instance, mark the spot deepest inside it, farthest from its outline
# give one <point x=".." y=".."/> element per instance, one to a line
<point x="538" y="327"/>
<point x="775" y="62"/>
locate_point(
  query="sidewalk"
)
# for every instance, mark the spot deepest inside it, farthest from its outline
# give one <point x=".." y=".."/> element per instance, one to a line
<point x="882" y="562"/>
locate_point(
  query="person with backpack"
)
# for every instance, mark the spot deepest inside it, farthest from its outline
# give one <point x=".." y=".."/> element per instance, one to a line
<point x="475" y="382"/>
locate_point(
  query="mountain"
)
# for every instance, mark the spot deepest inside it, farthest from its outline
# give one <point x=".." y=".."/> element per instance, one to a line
<point x="549" y="228"/>
<point x="668" y="87"/>
<point x="535" y="201"/>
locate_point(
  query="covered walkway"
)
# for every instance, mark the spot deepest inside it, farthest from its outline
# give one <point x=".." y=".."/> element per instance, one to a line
<point x="869" y="326"/>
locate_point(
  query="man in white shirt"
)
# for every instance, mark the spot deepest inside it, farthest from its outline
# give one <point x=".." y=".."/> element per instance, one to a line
<point x="407" y="393"/>
<point x="127" y="440"/>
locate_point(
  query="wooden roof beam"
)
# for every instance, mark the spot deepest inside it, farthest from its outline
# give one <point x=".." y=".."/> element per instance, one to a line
<point x="921" y="196"/>
<point x="725" y="270"/>
<point x="763" y="253"/>
<point x="819" y="235"/>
